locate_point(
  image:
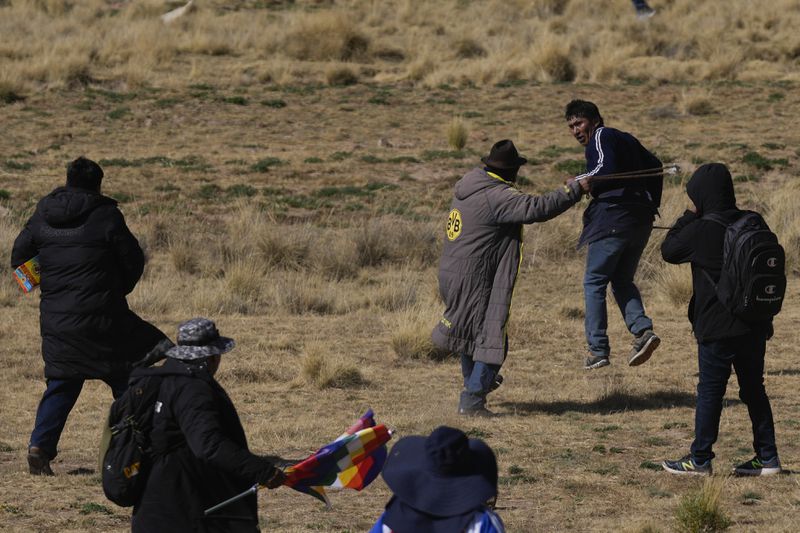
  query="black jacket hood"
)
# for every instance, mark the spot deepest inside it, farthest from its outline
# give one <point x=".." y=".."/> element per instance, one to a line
<point x="711" y="189"/>
<point x="67" y="206"/>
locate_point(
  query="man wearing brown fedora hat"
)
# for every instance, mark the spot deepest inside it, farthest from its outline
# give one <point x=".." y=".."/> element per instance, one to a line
<point x="479" y="265"/>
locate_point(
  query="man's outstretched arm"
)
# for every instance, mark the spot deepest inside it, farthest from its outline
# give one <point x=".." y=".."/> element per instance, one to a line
<point x="511" y="206"/>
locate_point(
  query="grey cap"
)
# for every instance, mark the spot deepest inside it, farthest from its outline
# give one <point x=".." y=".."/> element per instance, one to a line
<point x="199" y="338"/>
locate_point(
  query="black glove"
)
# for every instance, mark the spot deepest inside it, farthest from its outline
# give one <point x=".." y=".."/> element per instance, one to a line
<point x="272" y="479"/>
<point x="156" y="354"/>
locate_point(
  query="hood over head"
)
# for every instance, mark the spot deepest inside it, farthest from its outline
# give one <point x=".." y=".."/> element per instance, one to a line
<point x="473" y="181"/>
<point x="67" y="206"/>
<point x="711" y="189"/>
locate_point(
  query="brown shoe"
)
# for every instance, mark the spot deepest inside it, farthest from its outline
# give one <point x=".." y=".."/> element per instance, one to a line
<point x="38" y="462"/>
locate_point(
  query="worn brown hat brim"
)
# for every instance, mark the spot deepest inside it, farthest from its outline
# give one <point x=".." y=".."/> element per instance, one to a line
<point x="503" y="164"/>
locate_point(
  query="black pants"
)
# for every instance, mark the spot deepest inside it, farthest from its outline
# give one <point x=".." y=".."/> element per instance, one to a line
<point x="746" y="354"/>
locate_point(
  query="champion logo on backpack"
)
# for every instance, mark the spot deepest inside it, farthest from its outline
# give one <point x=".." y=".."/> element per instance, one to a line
<point x="752" y="281"/>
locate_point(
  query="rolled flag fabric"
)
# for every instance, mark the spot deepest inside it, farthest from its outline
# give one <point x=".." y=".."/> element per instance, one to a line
<point x="28" y="274"/>
<point x="351" y="461"/>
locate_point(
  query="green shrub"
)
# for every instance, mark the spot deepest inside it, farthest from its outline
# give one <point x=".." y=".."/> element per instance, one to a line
<point x="276" y="103"/>
<point x="209" y="191"/>
<point x="571" y="167"/>
<point x="240" y="189"/>
<point x="118" y="113"/>
<point x="263" y="165"/>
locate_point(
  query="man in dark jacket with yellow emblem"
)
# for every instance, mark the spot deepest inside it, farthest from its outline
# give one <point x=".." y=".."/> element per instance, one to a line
<point x="479" y="265"/>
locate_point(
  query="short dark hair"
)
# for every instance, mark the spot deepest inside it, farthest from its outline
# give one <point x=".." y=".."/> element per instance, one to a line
<point x="84" y="173"/>
<point x="583" y="109"/>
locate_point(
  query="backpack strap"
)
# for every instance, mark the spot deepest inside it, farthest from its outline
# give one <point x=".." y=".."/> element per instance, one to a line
<point x="724" y="222"/>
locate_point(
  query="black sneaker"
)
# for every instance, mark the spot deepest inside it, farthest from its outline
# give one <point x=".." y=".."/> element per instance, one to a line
<point x="596" y="361"/>
<point x="757" y="467"/>
<point x="687" y="466"/>
<point x="481" y="412"/>
<point x="643" y="347"/>
<point x="38" y="462"/>
<point x="498" y="380"/>
<point x="645" y="13"/>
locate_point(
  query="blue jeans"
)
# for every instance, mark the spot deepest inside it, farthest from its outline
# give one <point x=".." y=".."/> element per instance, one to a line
<point x="57" y="401"/>
<point x="478" y="380"/>
<point x="746" y="354"/>
<point x="614" y="259"/>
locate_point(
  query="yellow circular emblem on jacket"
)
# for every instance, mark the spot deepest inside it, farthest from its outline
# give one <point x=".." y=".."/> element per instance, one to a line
<point x="454" y="224"/>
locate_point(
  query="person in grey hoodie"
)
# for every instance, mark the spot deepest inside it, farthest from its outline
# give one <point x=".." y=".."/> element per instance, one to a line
<point x="480" y="262"/>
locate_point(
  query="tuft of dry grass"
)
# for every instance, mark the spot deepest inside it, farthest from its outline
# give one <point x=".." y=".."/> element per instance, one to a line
<point x="553" y="61"/>
<point x="411" y="333"/>
<point x="327" y="35"/>
<point x="183" y="255"/>
<point x="457" y="133"/>
<point x="696" y="103"/>
<point x="340" y="75"/>
<point x="699" y="511"/>
<point x="318" y="370"/>
<point x="784" y="219"/>
<point x="245" y="279"/>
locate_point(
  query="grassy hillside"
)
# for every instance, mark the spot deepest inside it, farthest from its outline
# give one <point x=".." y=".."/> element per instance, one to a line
<point x="303" y="211"/>
<point x="248" y="43"/>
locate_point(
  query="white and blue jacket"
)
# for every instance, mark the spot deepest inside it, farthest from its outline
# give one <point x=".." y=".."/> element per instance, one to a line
<point x="619" y="204"/>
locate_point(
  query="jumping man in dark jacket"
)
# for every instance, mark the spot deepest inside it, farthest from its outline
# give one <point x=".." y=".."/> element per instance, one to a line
<point x="199" y="446"/>
<point x="723" y="340"/>
<point x="89" y="262"/>
<point x="616" y="227"/>
<point x="479" y="265"/>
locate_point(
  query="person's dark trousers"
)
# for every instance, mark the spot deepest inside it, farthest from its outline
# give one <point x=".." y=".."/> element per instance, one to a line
<point x="746" y="354"/>
<point x="640" y="5"/>
<point x="614" y="259"/>
<point x="478" y="380"/>
<point x="57" y="401"/>
<point x="479" y="377"/>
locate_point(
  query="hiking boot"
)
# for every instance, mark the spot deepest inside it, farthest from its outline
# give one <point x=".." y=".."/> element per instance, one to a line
<point x="480" y="412"/>
<point x="687" y="466"/>
<point x="498" y="380"/>
<point x="757" y="467"/>
<point x="595" y="361"/>
<point x="643" y="347"/>
<point x="38" y="462"/>
<point x="645" y="13"/>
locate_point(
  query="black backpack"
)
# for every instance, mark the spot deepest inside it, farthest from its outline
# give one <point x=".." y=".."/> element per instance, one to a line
<point x="127" y="461"/>
<point x="752" y="282"/>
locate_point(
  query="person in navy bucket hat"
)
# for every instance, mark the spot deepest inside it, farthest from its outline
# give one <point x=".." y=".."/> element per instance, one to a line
<point x="444" y="482"/>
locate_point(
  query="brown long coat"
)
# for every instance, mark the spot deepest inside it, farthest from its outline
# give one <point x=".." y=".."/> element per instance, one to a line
<point x="481" y="257"/>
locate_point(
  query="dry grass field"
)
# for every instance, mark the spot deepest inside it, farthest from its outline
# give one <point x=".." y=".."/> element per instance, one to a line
<point x="287" y="167"/>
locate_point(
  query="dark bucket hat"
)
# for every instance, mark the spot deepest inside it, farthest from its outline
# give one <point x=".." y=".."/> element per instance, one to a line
<point x="504" y="155"/>
<point x="444" y="474"/>
<point x="199" y="338"/>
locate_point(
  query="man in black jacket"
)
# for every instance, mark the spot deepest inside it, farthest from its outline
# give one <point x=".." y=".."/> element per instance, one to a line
<point x="722" y="338"/>
<point x="616" y="227"/>
<point x="200" y="454"/>
<point x="89" y="262"/>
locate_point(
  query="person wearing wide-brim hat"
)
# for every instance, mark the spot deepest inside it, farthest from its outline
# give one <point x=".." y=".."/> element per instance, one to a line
<point x="199" y="448"/>
<point x="442" y="483"/>
<point x="479" y="265"/>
